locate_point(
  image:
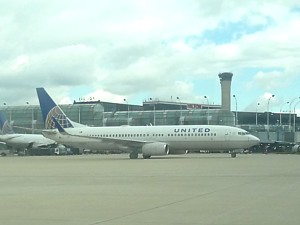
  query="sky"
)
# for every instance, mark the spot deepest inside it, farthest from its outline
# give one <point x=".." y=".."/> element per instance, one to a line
<point x="160" y="49"/>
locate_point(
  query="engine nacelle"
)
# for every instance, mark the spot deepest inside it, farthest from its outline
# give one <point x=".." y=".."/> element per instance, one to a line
<point x="156" y="148"/>
<point x="296" y="148"/>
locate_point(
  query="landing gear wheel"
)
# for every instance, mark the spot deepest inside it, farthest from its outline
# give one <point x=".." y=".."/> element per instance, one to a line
<point x="233" y="155"/>
<point x="133" y="155"/>
<point x="146" y="156"/>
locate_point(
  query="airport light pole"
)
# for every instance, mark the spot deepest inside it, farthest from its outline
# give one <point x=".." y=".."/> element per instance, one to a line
<point x="32" y="118"/>
<point x="290" y="113"/>
<point x="256" y="113"/>
<point x="180" y="119"/>
<point x="79" y="114"/>
<point x="102" y="114"/>
<point x="295" y="115"/>
<point x="236" y="118"/>
<point x="280" y="121"/>
<point x="125" y="100"/>
<point x="153" y="112"/>
<point x="268" y="117"/>
<point x="207" y="109"/>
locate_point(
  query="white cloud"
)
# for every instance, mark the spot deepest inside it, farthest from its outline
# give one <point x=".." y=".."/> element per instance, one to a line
<point x="140" y="46"/>
<point x="104" y="96"/>
<point x="20" y="62"/>
<point x="265" y="102"/>
<point x="270" y="80"/>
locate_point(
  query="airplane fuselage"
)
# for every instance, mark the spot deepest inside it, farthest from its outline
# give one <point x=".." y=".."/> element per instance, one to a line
<point x="178" y="138"/>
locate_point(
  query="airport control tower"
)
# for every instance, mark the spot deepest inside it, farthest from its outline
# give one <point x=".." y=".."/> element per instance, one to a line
<point x="225" y="80"/>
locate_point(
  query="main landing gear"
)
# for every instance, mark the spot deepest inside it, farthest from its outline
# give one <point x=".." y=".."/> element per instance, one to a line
<point x="133" y="155"/>
<point x="233" y="155"/>
<point x="146" y="156"/>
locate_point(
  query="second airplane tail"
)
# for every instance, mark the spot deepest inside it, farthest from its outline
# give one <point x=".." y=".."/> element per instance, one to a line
<point x="5" y="127"/>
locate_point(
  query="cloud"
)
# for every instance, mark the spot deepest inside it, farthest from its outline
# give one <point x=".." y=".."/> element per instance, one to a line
<point x="264" y="103"/>
<point x="144" y="47"/>
<point x="270" y="81"/>
<point x="104" y="96"/>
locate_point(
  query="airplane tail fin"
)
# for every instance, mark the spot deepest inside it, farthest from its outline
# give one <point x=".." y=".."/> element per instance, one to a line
<point x="51" y="110"/>
<point x="5" y="127"/>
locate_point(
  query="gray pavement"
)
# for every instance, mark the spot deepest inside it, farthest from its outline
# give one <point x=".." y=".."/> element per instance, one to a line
<point x="210" y="189"/>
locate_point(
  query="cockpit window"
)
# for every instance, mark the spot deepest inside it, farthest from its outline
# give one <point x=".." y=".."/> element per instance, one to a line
<point x="243" y="133"/>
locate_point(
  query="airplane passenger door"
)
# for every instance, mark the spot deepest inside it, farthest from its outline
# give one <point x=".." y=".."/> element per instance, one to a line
<point x="227" y="138"/>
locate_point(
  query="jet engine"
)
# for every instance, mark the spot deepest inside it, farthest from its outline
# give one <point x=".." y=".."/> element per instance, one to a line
<point x="156" y="148"/>
<point x="296" y="148"/>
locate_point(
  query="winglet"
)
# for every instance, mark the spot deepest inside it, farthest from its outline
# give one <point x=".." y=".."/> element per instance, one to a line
<point x="5" y="127"/>
<point x="51" y="110"/>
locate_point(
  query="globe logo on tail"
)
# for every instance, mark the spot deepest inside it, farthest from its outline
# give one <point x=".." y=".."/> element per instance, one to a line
<point x="60" y="117"/>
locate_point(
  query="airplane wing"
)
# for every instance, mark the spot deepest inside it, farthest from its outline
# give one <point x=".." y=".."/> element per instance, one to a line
<point x="6" y="137"/>
<point x="39" y="145"/>
<point x="28" y="129"/>
<point x="121" y="142"/>
<point x="118" y="141"/>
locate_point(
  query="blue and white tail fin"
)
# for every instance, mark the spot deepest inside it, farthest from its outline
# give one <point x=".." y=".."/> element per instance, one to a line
<point x="51" y="110"/>
<point x="5" y="127"/>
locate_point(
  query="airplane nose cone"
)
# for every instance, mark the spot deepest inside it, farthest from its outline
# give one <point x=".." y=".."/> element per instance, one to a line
<point x="254" y="140"/>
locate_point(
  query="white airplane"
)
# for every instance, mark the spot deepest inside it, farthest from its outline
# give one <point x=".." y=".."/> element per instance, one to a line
<point x="21" y="141"/>
<point x="148" y="140"/>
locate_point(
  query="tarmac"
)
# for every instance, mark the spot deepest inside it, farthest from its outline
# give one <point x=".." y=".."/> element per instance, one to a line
<point x="208" y="189"/>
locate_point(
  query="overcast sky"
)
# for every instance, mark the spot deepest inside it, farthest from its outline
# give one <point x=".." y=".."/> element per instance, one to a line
<point x="140" y="49"/>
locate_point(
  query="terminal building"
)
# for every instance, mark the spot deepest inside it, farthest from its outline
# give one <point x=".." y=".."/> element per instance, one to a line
<point x="268" y="126"/>
<point x="152" y="112"/>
